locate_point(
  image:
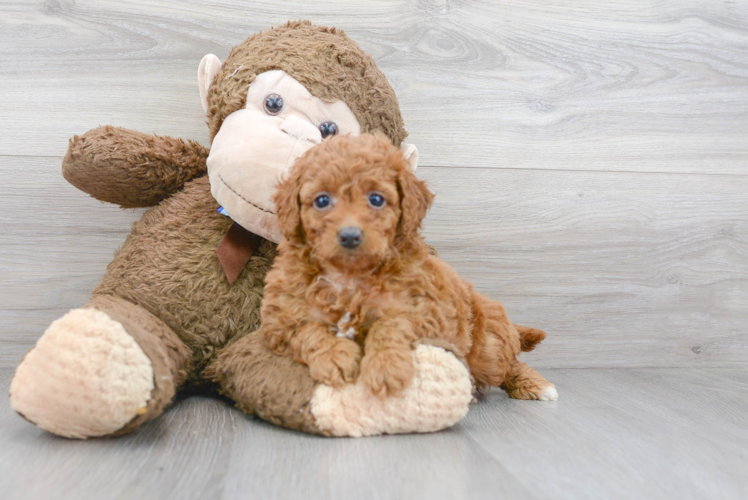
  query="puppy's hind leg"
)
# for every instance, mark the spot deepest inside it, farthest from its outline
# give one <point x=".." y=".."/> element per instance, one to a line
<point x="496" y="345"/>
<point x="523" y="382"/>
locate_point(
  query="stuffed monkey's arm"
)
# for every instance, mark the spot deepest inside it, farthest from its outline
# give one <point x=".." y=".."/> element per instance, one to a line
<point x="130" y="168"/>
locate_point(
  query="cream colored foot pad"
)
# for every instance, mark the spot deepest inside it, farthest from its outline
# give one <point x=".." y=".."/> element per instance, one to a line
<point x="86" y="377"/>
<point x="437" y="398"/>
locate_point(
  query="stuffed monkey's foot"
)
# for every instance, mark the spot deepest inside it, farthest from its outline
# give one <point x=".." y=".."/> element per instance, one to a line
<point x="526" y="383"/>
<point x="436" y="398"/>
<point x="97" y="371"/>
<point x="281" y="391"/>
<point x="86" y="377"/>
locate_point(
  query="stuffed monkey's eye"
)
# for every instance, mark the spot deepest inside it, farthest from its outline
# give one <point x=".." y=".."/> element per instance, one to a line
<point x="322" y="201"/>
<point x="376" y="200"/>
<point x="273" y="104"/>
<point x="327" y="129"/>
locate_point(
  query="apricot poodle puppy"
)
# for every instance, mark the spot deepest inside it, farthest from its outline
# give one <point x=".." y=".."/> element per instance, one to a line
<point x="354" y="286"/>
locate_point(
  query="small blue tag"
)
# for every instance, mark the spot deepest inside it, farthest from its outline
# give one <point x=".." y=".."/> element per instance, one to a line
<point x="223" y="211"/>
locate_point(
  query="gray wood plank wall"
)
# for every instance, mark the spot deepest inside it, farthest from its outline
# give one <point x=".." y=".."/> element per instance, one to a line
<point x="589" y="158"/>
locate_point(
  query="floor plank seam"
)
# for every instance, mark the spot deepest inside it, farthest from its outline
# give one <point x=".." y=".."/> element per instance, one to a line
<point x="504" y="169"/>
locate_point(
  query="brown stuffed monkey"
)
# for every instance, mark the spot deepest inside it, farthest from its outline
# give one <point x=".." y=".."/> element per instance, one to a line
<point x="179" y="304"/>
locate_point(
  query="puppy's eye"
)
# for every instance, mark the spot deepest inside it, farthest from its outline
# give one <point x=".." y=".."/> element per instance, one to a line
<point x="328" y="129"/>
<point x="322" y="201"/>
<point x="273" y="104"/>
<point x="376" y="200"/>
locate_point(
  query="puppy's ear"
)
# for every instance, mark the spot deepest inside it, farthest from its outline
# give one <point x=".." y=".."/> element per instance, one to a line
<point x="415" y="200"/>
<point x="288" y="207"/>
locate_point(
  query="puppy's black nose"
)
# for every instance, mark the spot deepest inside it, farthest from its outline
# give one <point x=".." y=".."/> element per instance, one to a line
<point x="350" y="237"/>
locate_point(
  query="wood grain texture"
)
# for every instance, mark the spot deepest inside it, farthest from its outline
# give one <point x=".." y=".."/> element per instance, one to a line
<point x="55" y="245"/>
<point x="614" y="434"/>
<point x="619" y="434"/>
<point x="589" y="160"/>
<point x="622" y="269"/>
<point x="621" y="85"/>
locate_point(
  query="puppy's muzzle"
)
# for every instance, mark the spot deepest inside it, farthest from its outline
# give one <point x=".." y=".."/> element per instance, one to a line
<point x="350" y="237"/>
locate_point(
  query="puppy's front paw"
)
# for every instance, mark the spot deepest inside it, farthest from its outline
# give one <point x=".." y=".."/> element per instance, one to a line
<point x="337" y="365"/>
<point x="387" y="372"/>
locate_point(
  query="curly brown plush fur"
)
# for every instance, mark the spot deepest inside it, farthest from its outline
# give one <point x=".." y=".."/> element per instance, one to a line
<point x="165" y="317"/>
<point x="167" y="265"/>
<point x="129" y="168"/>
<point x="165" y="287"/>
<point x="328" y="63"/>
<point x="330" y="300"/>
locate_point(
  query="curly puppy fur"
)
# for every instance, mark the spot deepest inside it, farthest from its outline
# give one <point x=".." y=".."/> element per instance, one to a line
<point x="350" y="311"/>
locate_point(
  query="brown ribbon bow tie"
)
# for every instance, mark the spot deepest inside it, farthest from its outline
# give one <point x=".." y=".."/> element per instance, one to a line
<point x="235" y="250"/>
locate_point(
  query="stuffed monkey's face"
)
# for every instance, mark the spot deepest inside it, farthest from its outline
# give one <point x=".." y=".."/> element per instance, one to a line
<point x="258" y="144"/>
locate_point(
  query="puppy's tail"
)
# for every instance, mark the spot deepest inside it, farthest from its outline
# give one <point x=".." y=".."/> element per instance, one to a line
<point x="529" y="338"/>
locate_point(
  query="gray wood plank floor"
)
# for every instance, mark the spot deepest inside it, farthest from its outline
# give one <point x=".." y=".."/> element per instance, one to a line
<point x="670" y="433"/>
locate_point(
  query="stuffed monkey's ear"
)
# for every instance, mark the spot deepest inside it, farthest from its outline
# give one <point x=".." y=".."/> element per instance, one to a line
<point x="410" y="153"/>
<point x="209" y="66"/>
<point x="415" y="200"/>
<point x="288" y="207"/>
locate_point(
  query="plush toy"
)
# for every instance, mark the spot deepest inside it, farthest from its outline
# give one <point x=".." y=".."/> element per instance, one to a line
<point x="179" y="304"/>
